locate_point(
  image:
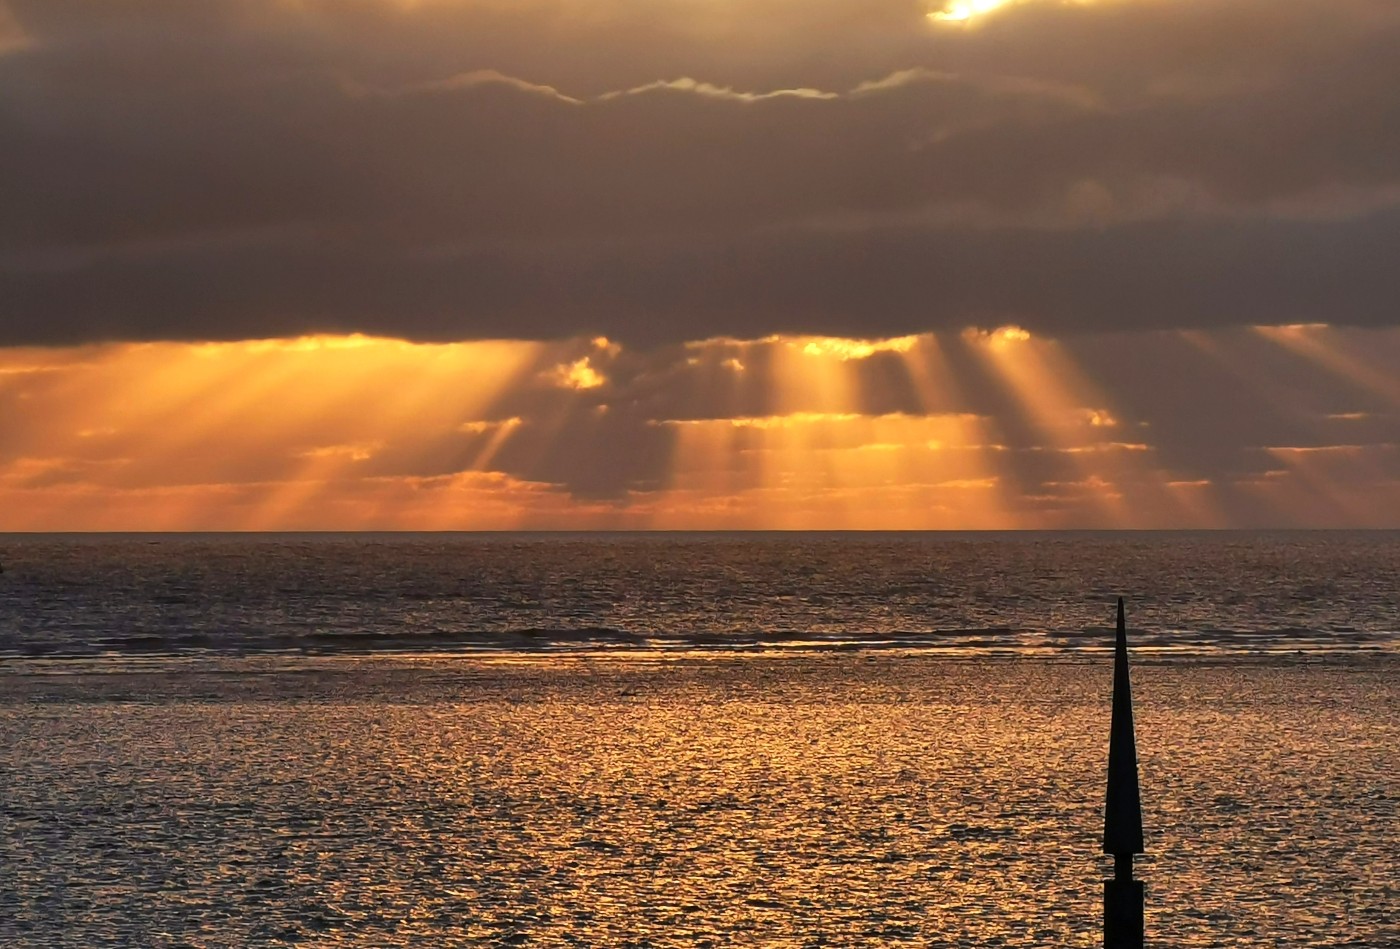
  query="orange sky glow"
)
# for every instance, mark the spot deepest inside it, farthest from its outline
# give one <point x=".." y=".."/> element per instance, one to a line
<point x="628" y="264"/>
<point x="986" y="429"/>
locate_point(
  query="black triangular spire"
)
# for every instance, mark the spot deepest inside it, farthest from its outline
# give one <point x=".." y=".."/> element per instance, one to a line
<point x="1122" y="814"/>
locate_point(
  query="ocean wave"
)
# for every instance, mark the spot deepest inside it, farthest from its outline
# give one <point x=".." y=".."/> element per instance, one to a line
<point x="958" y="595"/>
<point x="973" y="641"/>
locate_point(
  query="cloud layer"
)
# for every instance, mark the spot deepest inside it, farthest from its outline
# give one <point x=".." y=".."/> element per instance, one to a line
<point x="659" y="171"/>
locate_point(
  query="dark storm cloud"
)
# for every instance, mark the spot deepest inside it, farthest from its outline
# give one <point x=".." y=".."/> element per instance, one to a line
<point x="883" y="283"/>
<point x="230" y="169"/>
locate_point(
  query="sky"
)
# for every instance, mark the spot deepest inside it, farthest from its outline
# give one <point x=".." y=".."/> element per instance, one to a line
<point x="699" y="264"/>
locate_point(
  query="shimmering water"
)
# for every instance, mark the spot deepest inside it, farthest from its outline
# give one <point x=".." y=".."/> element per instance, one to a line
<point x="722" y="741"/>
<point x="818" y="799"/>
<point x="1207" y="593"/>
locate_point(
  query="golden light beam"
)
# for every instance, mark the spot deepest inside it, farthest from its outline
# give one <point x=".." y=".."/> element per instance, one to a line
<point x="1325" y="347"/>
<point x="1075" y="418"/>
<point x="500" y="434"/>
<point x="286" y="417"/>
<point x="360" y="432"/>
<point x="852" y="470"/>
<point x="1323" y="483"/>
<point x="935" y="385"/>
<point x="1338" y="483"/>
<point x="818" y="453"/>
<point x="395" y="387"/>
<point x="819" y="445"/>
<point x="1052" y="396"/>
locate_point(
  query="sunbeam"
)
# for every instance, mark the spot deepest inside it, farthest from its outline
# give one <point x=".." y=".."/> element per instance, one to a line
<point x="984" y="429"/>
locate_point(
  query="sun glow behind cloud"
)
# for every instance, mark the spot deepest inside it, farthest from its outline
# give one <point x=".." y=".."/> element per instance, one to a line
<point x="968" y="11"/>
<point x="958" y="11"/>
<point x="990" y="428"/>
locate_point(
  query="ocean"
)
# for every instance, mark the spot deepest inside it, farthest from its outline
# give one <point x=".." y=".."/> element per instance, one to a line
<point x="691" y="740"/>
<point x="108" y="597"/>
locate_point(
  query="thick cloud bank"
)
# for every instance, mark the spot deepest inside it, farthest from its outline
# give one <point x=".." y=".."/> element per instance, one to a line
<point x="657" y="172"/>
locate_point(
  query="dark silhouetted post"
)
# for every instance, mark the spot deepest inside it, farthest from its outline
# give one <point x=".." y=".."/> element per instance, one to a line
<point x="1122" y="814"/>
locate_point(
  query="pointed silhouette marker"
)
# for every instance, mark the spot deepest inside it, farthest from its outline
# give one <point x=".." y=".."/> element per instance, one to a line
<point x="1122" y="814"/>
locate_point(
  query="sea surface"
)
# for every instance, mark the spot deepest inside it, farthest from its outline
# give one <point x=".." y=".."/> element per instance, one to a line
<point x="691" y="740"/>
<point x="112" y="596"/>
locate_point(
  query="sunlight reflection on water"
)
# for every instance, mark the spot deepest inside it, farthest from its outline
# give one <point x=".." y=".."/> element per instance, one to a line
<point x="1208" y="594"/>
<point x="817" y="800"/>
